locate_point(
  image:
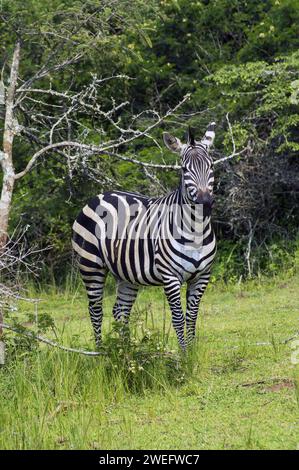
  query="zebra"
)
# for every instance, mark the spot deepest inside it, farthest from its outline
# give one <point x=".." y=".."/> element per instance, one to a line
<point x="133" y="237"/>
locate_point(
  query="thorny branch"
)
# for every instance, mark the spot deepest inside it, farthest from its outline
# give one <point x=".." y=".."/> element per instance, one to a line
<point x="16" y="257"/>
<point x="110" y="148"/>
<point x="107" y="148"/>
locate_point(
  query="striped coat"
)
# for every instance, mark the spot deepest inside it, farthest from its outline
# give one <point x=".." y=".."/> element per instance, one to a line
<point x="152" y="241"/>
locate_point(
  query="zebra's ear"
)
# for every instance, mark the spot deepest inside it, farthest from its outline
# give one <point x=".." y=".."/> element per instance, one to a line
<point x="190" y="136"/>
<point x="209" y="136"/>
<point x="172" y="143"/>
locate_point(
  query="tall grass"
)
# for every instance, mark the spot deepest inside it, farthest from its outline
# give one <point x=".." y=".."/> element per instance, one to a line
<point x="49" y="393"/>
<point x="227" y="392"/>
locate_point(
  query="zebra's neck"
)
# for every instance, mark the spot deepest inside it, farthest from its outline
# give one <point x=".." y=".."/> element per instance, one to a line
<point x="178" y="197"/>
<point x="181" y="220"/>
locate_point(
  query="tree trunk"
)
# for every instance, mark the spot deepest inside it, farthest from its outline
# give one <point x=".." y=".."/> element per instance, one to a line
<point x="5" y="204"/>
<point x="6" y="156"/>
<point x="6" y="161"/>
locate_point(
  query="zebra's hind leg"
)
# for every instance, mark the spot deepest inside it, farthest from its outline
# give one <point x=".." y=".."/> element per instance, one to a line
<point x="195" y="290"/>
<point x="125" y="298"/>
<point x="94" y="280"/>
<point x="172" y="289"/>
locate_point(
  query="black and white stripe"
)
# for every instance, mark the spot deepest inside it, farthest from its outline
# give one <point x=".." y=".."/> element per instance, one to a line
<point x="150" y="241"/>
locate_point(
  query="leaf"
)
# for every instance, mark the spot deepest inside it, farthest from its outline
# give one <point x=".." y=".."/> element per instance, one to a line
<point x="146" y="39"/>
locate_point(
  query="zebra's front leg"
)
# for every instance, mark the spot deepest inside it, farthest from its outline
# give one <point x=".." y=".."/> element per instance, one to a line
<point x="195" y="290"/>
<point x="172" y="289"/>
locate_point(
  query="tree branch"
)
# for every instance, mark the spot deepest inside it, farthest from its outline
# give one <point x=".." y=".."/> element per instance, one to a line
<point x="104" y="149"/>
<point x="50" y="342"/>
<point x="234" y="152"/>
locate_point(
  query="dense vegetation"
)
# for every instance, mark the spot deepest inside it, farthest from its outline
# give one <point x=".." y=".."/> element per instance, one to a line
<point x="240" y="62"/>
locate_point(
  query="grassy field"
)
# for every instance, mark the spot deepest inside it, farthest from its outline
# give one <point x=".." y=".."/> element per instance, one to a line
<point x="237" y="389"/>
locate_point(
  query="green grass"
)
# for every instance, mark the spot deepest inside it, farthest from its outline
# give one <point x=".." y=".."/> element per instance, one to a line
<point x="229" y="393"/>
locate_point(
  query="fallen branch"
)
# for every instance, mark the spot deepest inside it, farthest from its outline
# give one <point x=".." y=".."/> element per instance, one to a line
<point x="273" y="380"/>
<point x="291" y="338"/>
<point x="51" y="343"/>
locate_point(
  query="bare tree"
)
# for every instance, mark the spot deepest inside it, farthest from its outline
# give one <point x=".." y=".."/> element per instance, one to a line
<point x="51" y="124"/>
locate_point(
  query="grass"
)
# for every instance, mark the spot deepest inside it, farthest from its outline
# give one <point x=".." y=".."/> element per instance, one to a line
<point x="230" y="392"/>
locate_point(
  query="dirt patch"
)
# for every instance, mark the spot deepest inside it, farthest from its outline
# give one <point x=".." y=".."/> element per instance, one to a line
<point x="280" y="385"/>
<point x="241" y="295"/>
<point x="283" y="285"/>
<point x="272" y="385"/>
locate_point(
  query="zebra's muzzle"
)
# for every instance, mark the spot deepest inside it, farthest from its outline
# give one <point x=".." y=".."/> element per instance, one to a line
<point x="207" y="200"/>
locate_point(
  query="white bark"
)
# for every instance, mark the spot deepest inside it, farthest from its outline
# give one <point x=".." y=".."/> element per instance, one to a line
<point x="6" y="159"/>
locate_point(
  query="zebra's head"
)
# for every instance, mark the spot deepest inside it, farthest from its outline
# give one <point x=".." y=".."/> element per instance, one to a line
<point x="197" y="166"/>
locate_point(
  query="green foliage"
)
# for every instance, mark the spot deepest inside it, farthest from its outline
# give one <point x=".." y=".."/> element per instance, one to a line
<point x="18" y="343"/>
<point x="141" y="358"/>
<point x="276" y="257"/>
<point x="229" y="266"/>
<point x="236" y="58"/>
<point x="262" y="98"/>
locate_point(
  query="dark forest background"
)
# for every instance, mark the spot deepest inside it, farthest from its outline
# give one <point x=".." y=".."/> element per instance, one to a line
<point x="239" y="60"/>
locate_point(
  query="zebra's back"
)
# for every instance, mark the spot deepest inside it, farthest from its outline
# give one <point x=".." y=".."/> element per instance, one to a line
<point x="111" y="231"/>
